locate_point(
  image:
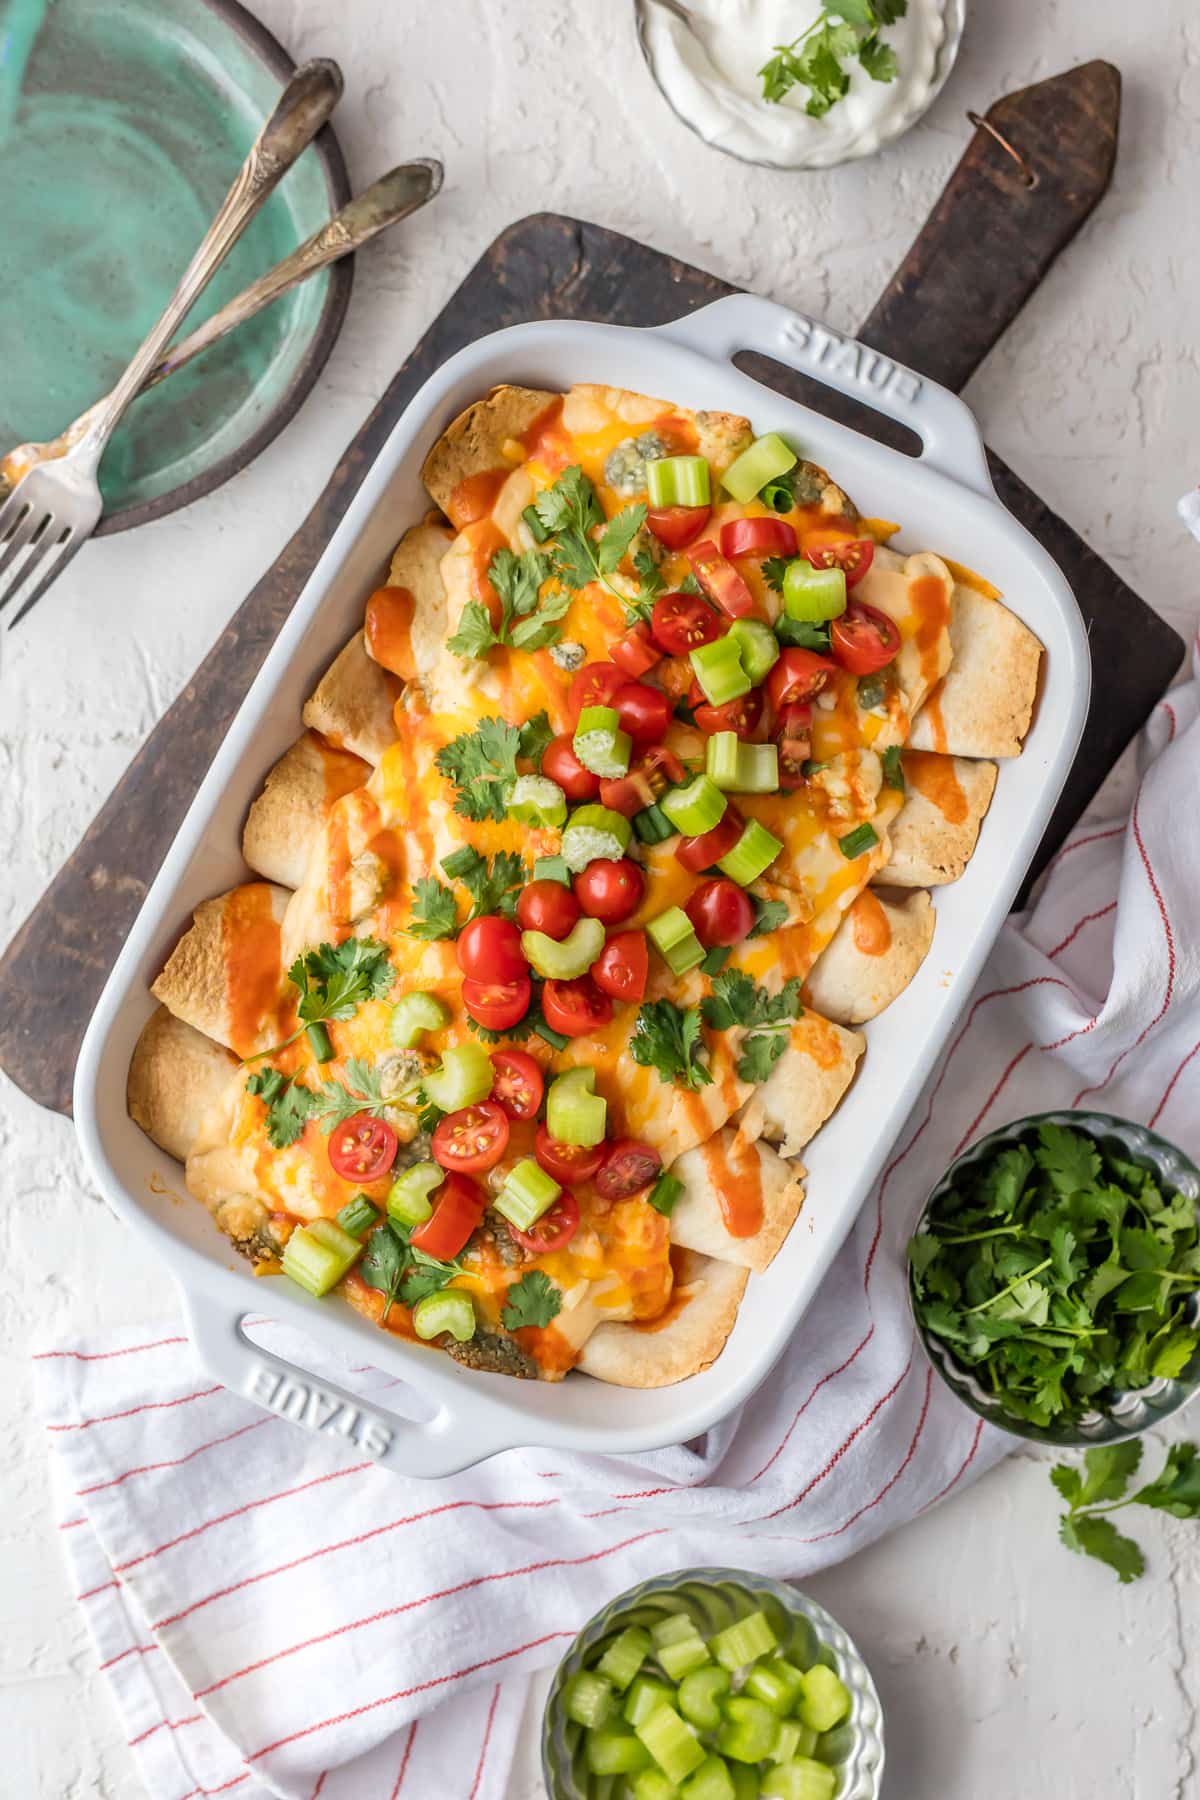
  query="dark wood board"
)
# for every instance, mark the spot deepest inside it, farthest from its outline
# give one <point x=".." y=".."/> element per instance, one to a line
<point x="956" y="291"/>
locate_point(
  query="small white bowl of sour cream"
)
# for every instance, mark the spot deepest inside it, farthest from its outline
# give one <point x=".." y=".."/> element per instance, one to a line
<point x="706" y="57"/>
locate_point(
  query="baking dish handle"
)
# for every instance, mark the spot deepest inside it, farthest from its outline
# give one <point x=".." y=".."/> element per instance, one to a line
<point x="945" y="425"/>
<point x="434" y="1447"/>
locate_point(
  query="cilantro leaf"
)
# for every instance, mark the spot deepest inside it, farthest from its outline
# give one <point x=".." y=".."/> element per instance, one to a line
<point x="475" y="635"/>
<point x="856" y="12"/>
<point x="774" y="568"/>
<point x="617" y="536"/>
<point x="572" y="515"/>
<point x="382" y="1264"/>
<point x="536" y="734"/>
<point x="888" y="11"/>
<point x="1091" y="1535"/>
<point x="517" y="579"/>
<point x="492" y="885"/>
<point x="1068" y="1481"/>
<point x="434" y="913"/>
<point x="878" y="59"/>
<point x="335" y="1102"/>
<point x="893" y="768"/>
<point x="525" y="624"/>
<point x="482" y="764"/>
<point x="1070" y="1161"/>
<point x="289" y="1104"/>
<point x="769" y="915"/>
<point x="803" y="634"/>
<point x="667" y="1038"/>
<point x="534" y="1300"/>
<point x="1177" y="1489"/>
<point x="335" y="980"/>
<point x="814" y="60"/>
<point x="1175" y="1353"/>
<point x="736" y="1001"/>
<point x="541" y="628"/>
<point x="1108" y="1470"/>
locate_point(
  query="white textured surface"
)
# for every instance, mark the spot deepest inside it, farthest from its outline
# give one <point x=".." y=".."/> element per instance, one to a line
<point x="1006" y="1666"/>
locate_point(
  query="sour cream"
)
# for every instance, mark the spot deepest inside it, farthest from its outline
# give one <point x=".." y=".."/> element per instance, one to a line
<point x="708" y="71"/>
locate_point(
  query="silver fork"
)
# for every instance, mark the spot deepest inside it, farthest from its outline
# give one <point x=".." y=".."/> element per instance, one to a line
<point x="56" y="508"/>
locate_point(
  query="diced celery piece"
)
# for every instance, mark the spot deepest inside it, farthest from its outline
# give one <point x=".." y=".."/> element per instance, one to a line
<point x="824" y="1699"/>
<point x="674" y="937"/>
<point x="464" y="1077"/>
<point x="721" y="759"/>
<point x="316" y="1256"/>
<point x="671" y="1742"/>
<point x="749" y="1731"/>
<point x="758" y="647"/>
<point x="813" y="594"/>
<point x="751" y="856"/>
<point x="575" y="1112"/>
<point x="562" y="959"/>
<point x="800" y="1779"/>
<point x="552" y="868"/>
<point x="711" y="1781"/>
<point x="593" y="832"/>
<point x="408" y="1199"/>
<point x="538" y="801"/>
<point x="625" y="1656"/>
<point x="672" y="1629"/>
<point x="680" y="1658"/>
<point x="678" y="481"/>
<point x="527" y="1193"/>
<point x="718" y="669"/>
<point x="414" y="1014"/>
<point x="788" y="1741"/>
<point x="696" y="808"/>
<point x="745" y="1781"/>
<point x="643" y="1696"/>
<point x="613" y="1751"/>
<point x="588" y="1699"/>
<point x="599" y="742"/>
<point x="700" y="1694"/>
<point x="450" y="1310"/>
<point x="652" y="1784"/>
<point x="776" y="1683"/>
<point x="744" y="1642"/>
<point x="757" y="769"/>
<point x="767" y="458"/>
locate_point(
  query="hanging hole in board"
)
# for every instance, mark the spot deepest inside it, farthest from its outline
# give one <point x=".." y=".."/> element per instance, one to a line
<point x="1029" y="175"/>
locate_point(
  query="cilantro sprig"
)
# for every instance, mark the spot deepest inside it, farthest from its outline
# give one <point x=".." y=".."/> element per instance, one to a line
<point x="493" y="884"/>
<point x="529" y="620"/>
<point x="586" y="546"/>
<point x="291" y="1103"/>
<point x="396" y="1269"/>
<point x="668" y="1038"/>
<point x="816" y="59"/>
<point x="482" y="763"/>
<point x="1100" y="1488"/>
<point x="738" y="1002"/>
<point x="534" y="1300"/>
<point x="288" y="1103"/>
<point x="333" y="981"/>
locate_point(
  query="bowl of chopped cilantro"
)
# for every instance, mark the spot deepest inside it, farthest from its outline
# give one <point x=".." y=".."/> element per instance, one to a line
<point x="1055" y="1274"/>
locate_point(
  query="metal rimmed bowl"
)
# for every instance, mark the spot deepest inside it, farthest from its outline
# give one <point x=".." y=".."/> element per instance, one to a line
<point x="1131" y="1410"/>
<point x="717" y="1598"/>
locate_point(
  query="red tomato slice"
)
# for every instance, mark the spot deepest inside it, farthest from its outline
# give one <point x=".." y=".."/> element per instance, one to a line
<point x="610" y="891"/>
<point x="560" y="763"/>
<point x="489" y="949"/>
<point x="721" y="912"/>
<point x="547" y="906"/>
<point x="594" y="685"/>
<point x="676" y="526"/>
<point x="797" y="676"/>
<point x="622" y="967"/>
<point x="644" y="712"/>
<point x="575" y="1007"/>
<point x="794" y="740"/>
<point x="696" y="853"/>
<point x="636" y="652"/>
<point x="741" y="715"/>
<point x="497" y="1004"/>
<point x="457" y="1210"/>
<point x="720" y="580"/>
<point x="855" y="558"/>
<point x="567" y="1162"/>
<point x="363" y="1149"/>
<point x="681" y="622"/>
<point x="863" y="639"/>
<point x="472" y="1139"/>
<point x="658" y="770"/>
<point x="519" y="1083"/>
<point x="758" y="537"/>
<point x="554" y="1230"/>
<point x="629" y="1166"/>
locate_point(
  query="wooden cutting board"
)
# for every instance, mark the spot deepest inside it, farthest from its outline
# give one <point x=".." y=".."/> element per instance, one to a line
<point x="996" y="229"/>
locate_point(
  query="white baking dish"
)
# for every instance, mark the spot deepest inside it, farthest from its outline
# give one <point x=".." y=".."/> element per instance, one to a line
<point x="946" y="503"/>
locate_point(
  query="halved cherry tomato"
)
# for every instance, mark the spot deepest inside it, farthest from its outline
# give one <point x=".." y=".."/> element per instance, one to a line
<point x="741" y="715"/>
<point x="567" y="1162"/>
<point x="472" y="1139"/>
<point x="696" y="853"/>
<point x="560" y="763"/>
<point x="594" y="685"/>
<point x="575" y="1007"/>
<point x="519" y="1083"/>
<point x="681" y="622"/>
<point x="854" y="558"/>
<point x="623" y="965"/>
<point x="644" y="712"/>
<point x="794" y="741"/>
<point x="721" y="912"/>
<point x="720" y="580"/>
<point x="797" y="676"/>
<point x="457" y="1209"/>
<point x="554" y="1230"/>
<point x="864" y="639"/>
<point x="676" y="526"/>
<point x="610" y="890"/>
<point x="629" y="1166"/>
<point x="363" y="1149"/>
<point x="658" y="770"/>
<point x="497" y="1004"/>
<point x="758" y="537"/>
<point x="489" y="949"/>
<point x="547" y="906"/>
<point x="636" y="652"/>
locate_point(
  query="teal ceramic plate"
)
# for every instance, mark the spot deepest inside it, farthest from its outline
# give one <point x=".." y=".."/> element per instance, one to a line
<point x="121" y="128"/>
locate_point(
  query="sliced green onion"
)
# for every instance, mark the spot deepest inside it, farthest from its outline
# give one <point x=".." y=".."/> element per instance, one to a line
<point x="718" y="669"/>
<point x="744" y="1642"/>
<point x="752" y="855"/>
<point x="767" y="458"/>
<point x="460" y="862"/>
<point x="652" y="825"/>
<point x="801" y="1779"/>
<point x="862" y="838"/>
<point x="408" y="1201"/>
<point x="537" y="531"/>
<point x="588" y="1699"/>
<point x="451" y="1311"/>
<point x="322" y="1043"/>
<point x="700" y="1694"/>
<point x="893" y="769"/>
<point x="644" y="1696"/>
<point x="464" y="1076"/>
<point x="678" y="481"/>
<point x="358" y="1215"/>
<point x="776" y="1682"/>
<point x="824" y="1699"/>
<point x="871" y="691"/>
<point x="538" y="801"/>
<point x="557" y="1040"/>
<point x="414" y="1014"/>
<point x="665" y="1193"/>
<point x="575" y="1112"/>
<point x="813" y="595"/>
<point x="721" y="759"/>
<point x="696" y="808"/>
<point x="615" y="1752"/>
<point x="716" y="959"/>
<point x="758" y="647"/>
<point x="671" y="1742"/>
<point x="594" y="832"/>
<point x="711" y="1781"/>
<point x="562" y="959"/>
<point x="552" y="868"/>
<point x="625" y="1656"/>
<point x="674" y="937"/>
<point x="599" y="742"/>
<point x="749" y="1731"/>
<point x="316" y="1256"/>
<point x="528" y="1192"/>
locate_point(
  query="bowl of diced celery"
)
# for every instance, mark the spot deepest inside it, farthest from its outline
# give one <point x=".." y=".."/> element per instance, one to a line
<point x="712" y="1684"/>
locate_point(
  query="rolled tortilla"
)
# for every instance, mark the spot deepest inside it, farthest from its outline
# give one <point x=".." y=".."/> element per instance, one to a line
<point x="915" y="591"/>
<point x="985" y="701"/>
<point x="806" y="1083"/>
<point x="285" y="821"/>
<point x="739" y="1200"/>
<point x="874" y="954"/>
<point x="933" y="835"/>
<point x="225" y="974"/>
<point x="176" y="1075"/>
<point x="474" y="443"/>
<point x="688" y="1336"/>
<point x="406" y="623"/>
<point x="352" y="704"/>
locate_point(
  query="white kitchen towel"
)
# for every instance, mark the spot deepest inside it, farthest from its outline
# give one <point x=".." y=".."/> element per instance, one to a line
<point x="277" y="1616"/>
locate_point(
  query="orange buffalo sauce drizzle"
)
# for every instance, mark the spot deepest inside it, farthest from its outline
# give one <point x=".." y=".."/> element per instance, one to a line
<point x="870" y="928"/>
<point x="735" y="1171"/>
<point x="931" y="606"/>
<point x="545" y="441"/>
<point x="934" y="777"/>
<point x="932" y="712"/>
<point x="250" y="942"/>
<point x="474" y="498"/>
<point x="389" y="630"/>
<point x="681" y="1294"/>
<point x="342" y="770"/>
